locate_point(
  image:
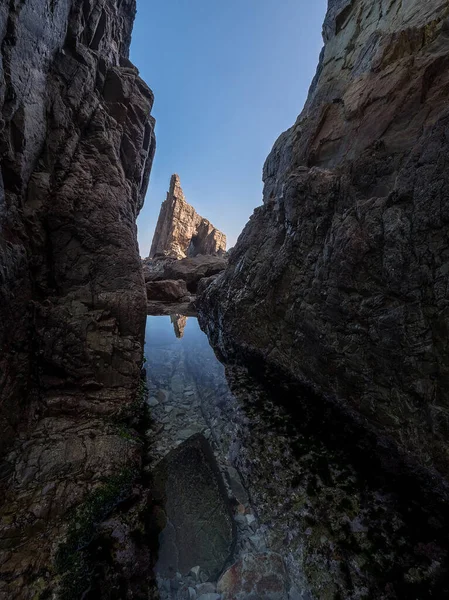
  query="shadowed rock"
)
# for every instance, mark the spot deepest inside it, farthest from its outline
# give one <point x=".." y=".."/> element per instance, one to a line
<point x="255" y="576"/>
<point x="77" y="147"/>
<point x="199" y="528"/>
<point x="341" y="277"/>
<point x="173" y="290"/>
<point x="190" y="270"/>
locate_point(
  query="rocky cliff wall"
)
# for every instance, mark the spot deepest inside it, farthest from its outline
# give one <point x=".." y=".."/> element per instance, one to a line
<point x="341" y="277"/>
<point x="77" y="145"/>
<point x="181" y="231"/>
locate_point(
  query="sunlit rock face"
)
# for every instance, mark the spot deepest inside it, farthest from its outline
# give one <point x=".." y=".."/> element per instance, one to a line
<point x="181" y="232"/>
<point x="341" y="277"/>
<point x="77" y="145"/>
<point x="179" y="325"/>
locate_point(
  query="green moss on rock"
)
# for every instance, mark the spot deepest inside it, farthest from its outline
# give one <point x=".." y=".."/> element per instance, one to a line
<point x="71" y="561"/>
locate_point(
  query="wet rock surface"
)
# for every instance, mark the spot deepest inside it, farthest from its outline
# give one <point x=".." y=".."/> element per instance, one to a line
<point x="77" y="147"/>
<point x="181" y="232"/>
<point x="255" y="576"/>
<point x="340" y="278"/>
<point x="317" y="514"/>
<point x="199" y="525"/>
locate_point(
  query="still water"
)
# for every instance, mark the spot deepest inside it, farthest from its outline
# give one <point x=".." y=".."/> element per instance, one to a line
<point x="261" y="493"/>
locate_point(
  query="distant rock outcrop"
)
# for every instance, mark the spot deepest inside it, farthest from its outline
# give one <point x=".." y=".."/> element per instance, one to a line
<point x="341" y="278"/>
<point x="181" y="232"/>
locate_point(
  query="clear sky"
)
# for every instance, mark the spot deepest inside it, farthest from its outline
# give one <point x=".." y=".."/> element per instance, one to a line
<point x="228" y="77"/>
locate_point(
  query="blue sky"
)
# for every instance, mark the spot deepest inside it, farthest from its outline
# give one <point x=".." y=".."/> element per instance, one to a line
<point x="228" y="77"/>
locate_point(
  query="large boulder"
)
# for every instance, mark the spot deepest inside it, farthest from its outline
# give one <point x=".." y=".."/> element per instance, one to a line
<point x="190" y="270"/>
<point x="255" y="576"/>
<point x="197" y="528"/>
<point x="167" y="291"/>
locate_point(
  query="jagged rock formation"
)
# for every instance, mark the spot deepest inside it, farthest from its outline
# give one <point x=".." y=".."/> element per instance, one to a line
<point x="178" y="281"/>
<point x="341" y="277"/>
<point x="181" y="231"/>
<point x="77" y="145"/>
<point x="179" y="324"/>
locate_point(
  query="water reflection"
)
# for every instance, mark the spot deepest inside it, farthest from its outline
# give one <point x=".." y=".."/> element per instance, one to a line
<point x="194" y="505"/>
<point x="301" y="492"/>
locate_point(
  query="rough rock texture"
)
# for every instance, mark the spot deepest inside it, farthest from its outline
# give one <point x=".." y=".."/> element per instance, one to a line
<point x="255" y="576"/>
<point x="181" y="231"/>
<point x="199" y="529"/>
<point x="342" y="276"/>
<point x="190" y="270"/>
<point x="76" y="149"/>
<point x="168" y="291"/>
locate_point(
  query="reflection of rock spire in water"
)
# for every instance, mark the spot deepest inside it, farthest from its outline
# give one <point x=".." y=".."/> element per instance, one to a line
<point x="179" y="324"/>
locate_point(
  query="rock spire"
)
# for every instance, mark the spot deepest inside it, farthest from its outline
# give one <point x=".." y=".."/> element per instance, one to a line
<point x="181" y="232"/>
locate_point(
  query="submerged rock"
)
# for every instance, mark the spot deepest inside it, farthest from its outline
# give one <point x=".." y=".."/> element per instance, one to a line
<point x="340" y="278"/>
<point x="314" y="489"/>
<point x="255" y="576"/>
<point x="198" y="528"/>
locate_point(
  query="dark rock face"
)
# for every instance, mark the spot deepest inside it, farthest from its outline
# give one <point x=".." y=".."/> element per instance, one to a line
<point x="179" y="325"/>
<point x="255" y="576"/>
<point x="198" y="521"/>
<point x="77" y="145"/>
<point x="167" y="291"/>
<point x="341" y="277"/>
<point x="181" y="231"/>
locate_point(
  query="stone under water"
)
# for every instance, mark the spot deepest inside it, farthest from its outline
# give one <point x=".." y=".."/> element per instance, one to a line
<point x="315" y="512"/>
<point x="199" y="525"/>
